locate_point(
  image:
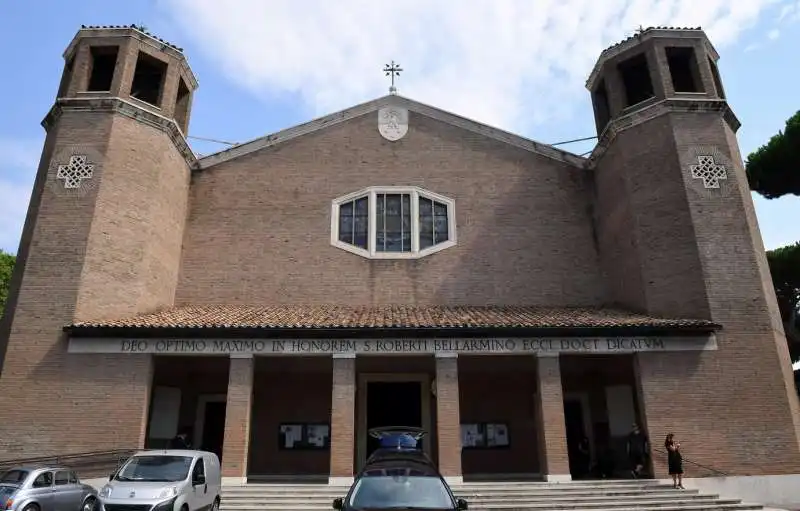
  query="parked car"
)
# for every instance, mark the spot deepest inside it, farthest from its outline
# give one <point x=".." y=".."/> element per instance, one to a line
<point x="164" y="480"/>
<point x="399" y="475"/>
<point x="45" y="488"/>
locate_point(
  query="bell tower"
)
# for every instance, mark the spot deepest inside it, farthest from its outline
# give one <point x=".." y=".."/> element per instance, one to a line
<point x="102" y="239"/>
<point x="679" y="237"/>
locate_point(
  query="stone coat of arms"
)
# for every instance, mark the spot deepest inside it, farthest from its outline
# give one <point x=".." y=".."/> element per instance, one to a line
<point x="393" y="123"/>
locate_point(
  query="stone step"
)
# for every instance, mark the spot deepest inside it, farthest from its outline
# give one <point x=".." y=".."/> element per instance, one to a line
<point x="671" y="506"/>
<point x="472" y="484"/>
<point x="564" y="503"/>
<point x="511" y="494"/>
<point x="586" y="501"/>
<point x="461" y="489"/>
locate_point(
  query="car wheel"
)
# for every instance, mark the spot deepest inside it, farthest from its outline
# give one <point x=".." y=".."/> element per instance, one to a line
<point x="31" y="507"/>
<point x="89" y="504"/>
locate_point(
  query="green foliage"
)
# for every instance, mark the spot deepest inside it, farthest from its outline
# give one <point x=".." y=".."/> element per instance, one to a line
<point x="6" y="267"/>
<point x="773" y="170"/>
<point x="784" y="264"/>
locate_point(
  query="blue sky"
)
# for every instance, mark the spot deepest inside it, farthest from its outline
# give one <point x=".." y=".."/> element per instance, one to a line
<point x="516" y="64"/>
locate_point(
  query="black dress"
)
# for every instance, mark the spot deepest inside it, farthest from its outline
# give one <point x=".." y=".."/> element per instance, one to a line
<point x="674" y="460"/>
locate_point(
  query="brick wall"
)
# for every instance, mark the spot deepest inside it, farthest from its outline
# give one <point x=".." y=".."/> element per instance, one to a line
<point x="698" y="252"/>
<point x="502" y="390"/>
<point x="277" y="201"/>
<point x="343" y="427"/>
<point x="238" y="418"/>
<point x="109" y="248"/>
<point x="554" y="458"/>
<point x="448" y="428"/>
<point x="298" y="392"/>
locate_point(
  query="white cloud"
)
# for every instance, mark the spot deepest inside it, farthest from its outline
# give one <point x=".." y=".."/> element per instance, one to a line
<point x="790" y="13"/>
<point x="511" y="63"/>
<point x="20" y="158"/>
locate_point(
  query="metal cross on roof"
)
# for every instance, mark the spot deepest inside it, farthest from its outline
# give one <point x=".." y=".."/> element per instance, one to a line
<point x="640" y="30"/>
<point x="392" y="70"/>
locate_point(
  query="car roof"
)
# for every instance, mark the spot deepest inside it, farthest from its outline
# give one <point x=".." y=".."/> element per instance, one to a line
<point x="401" y="458"/>
<point x="172" y="452"/>
<point x="37" y="468"/>
<point x="399" y="454"/>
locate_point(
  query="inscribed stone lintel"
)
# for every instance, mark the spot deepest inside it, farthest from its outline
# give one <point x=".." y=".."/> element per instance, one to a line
<point x="349" y="348"/>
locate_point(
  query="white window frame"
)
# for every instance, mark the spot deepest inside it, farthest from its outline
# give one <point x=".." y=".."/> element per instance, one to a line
<point x="371" y="193"/>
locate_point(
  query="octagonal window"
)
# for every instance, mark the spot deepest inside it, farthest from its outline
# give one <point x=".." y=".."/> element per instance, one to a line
<point x="393" y="222"/>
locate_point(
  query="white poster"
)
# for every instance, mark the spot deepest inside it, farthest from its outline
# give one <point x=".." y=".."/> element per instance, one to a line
<point x="318" y="434"/>
<point x="471" y="435"/>
<point x="164" y="412"/>
<point x="292" y="434"/>
<point x="621" y="409"/>
<point x="496" y="435"/>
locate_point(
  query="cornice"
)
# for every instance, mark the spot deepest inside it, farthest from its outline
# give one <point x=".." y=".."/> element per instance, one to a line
<point x="663" y="107"/>
<point x="128" y="109"/>
<point x="373" y="106"/>
<point x="651" y="33"/>
<point x="133" y="32"/>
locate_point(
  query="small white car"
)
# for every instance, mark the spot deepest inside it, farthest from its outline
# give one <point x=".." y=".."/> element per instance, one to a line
<point x="45" y="488"/>
<point x="164" y="480"/>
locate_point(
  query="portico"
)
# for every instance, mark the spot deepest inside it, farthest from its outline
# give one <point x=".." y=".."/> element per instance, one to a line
<point x="497" y="401"/>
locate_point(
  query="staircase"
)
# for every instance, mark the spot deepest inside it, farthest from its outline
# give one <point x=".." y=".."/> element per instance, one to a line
<point x="621" y="495"/>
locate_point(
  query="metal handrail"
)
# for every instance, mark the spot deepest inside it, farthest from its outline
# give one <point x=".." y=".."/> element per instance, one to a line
<point x="75" y="459"/>
<point x="712" y="469"/>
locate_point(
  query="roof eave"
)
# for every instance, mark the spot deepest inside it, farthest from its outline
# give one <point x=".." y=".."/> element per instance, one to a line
<point x="369" y="107"/>
<point x="362" y="333"/>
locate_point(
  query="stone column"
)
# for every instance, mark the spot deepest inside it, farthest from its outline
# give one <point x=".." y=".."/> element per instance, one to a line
<point x="236" y="445"/>
<point x="343" y="418"/>
<point x="552" y="428"/>
<point x="448" y="417"/>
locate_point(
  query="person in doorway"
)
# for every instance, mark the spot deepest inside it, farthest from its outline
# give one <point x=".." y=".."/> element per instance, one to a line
<point x="638" y="449"/>
<point x="674" y="461"/>
<point x="181" y="440"/>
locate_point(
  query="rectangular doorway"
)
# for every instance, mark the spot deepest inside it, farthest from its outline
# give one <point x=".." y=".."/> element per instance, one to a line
<point x="392" y="403"/>
<point x="209" y="430"/>
<point x="214" y="428"/>
<point x="392" y="400"/>
<point x="576" y="422"/>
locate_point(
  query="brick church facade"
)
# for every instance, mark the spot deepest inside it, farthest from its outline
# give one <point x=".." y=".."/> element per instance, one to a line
<point x="395" y="264"/>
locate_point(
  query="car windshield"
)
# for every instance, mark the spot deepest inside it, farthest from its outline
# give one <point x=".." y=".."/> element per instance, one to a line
<point x="155" y="469"/>
<point x="400" y="492"/>
<point x="15" y="476"/>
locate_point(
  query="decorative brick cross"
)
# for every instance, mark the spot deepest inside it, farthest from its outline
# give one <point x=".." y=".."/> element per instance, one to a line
<point x="75" y="171"/>
<point x="709" y="171"/>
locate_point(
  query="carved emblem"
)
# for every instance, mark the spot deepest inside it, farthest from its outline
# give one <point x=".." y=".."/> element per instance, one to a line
<point x="709" y="171"/>
<point x="75" y="171"/>
<point x="393" y="123"/>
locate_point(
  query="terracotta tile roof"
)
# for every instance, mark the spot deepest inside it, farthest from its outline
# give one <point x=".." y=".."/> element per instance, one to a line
<point x="641" y="33"/>
<point x="135" y="27"/>
<point x="397" y="316"/>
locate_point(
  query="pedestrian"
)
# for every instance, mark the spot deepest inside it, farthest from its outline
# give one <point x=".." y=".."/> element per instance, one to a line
<point x="181" y="440"/>
<point x="674" y="461"/>
<point x="638" y="449"/>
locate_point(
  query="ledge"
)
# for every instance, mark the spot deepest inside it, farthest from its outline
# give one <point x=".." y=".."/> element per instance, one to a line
<point x="128" y="109"/>
<point x="663" y="107"/>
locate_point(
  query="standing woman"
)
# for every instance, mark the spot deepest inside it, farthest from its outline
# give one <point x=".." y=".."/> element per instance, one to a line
<point x="674" y="461"/>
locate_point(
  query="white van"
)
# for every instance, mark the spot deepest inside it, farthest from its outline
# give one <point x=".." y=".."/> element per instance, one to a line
<point x="165" y="480"/>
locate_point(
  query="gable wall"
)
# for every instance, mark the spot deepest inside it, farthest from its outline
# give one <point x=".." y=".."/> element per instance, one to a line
<point x="259" y="225"/>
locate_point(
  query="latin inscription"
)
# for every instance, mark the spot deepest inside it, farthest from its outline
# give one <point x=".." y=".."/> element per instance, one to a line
<point x="374" y="346"/>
